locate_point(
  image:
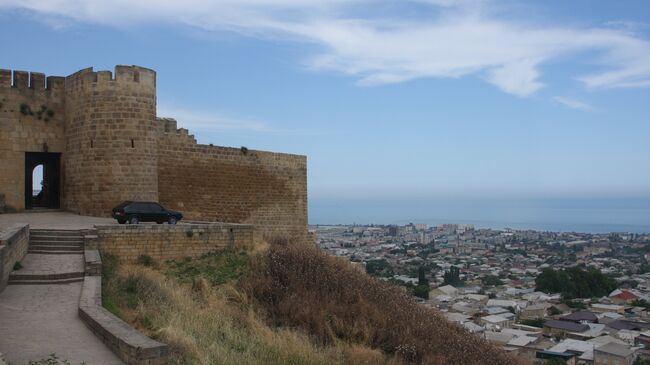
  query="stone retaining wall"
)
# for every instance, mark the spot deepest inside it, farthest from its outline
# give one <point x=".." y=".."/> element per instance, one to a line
<point x="164" y="242"/>
<point x="128" y="344"/>
<point x="14" y="242"/>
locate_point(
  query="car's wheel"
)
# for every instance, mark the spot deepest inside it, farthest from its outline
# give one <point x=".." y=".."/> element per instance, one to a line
<point x="134" y="220"/>
<point x="121" y="221"/>
<point x="172" y="220"/>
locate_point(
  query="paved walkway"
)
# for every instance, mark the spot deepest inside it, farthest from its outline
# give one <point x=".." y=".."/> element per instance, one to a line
<point x="37" y="264"/>
<point x="38" y="320"/>
<point x="52" y="220"/>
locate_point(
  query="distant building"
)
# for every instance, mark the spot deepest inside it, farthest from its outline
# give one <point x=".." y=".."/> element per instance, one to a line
<point x="580" y="317"/>
<point x="556" y="328"/>
<point x="613" y="353"/>
<point x="421" y="226"/>
<point x="624" y="297"/>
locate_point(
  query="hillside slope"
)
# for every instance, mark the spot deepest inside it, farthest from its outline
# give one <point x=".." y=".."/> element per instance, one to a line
<point x="289" y="304"/>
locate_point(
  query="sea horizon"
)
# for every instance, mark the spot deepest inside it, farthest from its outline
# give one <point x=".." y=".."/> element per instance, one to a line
<point x="556" y="215"/>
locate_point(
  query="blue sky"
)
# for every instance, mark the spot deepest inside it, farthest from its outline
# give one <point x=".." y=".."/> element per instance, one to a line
<point x="411" y="100"/>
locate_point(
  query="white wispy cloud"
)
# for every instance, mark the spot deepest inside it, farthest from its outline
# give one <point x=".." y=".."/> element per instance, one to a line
<point x="573" y="104"/>
<point x="212" y="121"/>
<point x="201" y="120"/>
<point x="462" y="39"/>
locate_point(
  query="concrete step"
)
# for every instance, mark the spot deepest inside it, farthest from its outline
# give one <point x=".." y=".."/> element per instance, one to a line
<point x="55" y="238"/>
<point x="56" y="248"/>
<point x="38" y="242"/>
<point x="54" y="232"/>
<point x="45" y="282"/>
<point x="42" y="277"/>
<point x="54" y="252"/>
<point x="56" y="243"/>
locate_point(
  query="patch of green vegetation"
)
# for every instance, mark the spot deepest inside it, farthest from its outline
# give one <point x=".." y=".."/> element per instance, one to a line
<point x="641" y="303"/>
<point x="109" y="292"/>
<point x="146" y="260"/>
<point x="492" y="280"/>
<point x="533" y="322"/>
<point x="379" y="267"/>
<point x="17" y="265"/>
<point x="640" y="361"/>
<point x="25" y="109"/>
<point x="217" y="267"/>
<point x="452" y="277"/>
<point x="555" y="361"/>
<point x="575" y="282"/>
<point x="421" y="291"/>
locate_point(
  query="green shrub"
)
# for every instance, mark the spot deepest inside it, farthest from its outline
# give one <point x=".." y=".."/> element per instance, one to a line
<point x="421" y="291"/>
<point x="533" y="322"/>
<point x="145" y="260"/>
<point x="25" y="109"/>
<point x="217" y="267"/>
<point x="18" y="265"/>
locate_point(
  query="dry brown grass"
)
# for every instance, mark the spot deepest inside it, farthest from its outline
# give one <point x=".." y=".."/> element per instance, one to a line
<point x="205" y="324"/>
<point x="300" y="286"/>
<point x="287" y="304"/>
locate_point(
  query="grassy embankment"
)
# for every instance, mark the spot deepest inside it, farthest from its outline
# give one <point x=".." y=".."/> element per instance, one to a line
<point x="285" y="305"/>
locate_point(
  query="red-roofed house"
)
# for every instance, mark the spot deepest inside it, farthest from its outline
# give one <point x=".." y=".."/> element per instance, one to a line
<point x="624" y="297"/>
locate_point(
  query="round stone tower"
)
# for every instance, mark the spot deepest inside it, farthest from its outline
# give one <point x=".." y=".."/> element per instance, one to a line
<point x="111" y="147"/>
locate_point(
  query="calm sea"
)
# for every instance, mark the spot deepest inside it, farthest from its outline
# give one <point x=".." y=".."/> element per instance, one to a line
<point x="566" y="215"/>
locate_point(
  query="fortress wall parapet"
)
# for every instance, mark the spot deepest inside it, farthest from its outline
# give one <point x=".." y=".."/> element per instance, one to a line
<point x="213" y="183"/>
<point x="36" y="81"/>
<point x="169" y="242"/>
<point x="32" y="119"/>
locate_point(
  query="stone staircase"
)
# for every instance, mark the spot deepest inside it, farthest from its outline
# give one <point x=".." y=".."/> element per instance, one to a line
<point x="53" y="257"/>
<point x="55" y="242"/>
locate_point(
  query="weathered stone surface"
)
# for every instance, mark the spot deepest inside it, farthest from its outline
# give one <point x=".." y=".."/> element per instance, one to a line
<point x="130" y="345"/>
<point x="164" y="242"/>
<point x="114" y="148"/>
<point x="93" y="262"/>
<point x="38" y="320"/>
<point x="14" y="242"/>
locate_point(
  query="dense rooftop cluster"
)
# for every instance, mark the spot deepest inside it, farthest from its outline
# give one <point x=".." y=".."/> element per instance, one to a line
<point x="576" y="297"/>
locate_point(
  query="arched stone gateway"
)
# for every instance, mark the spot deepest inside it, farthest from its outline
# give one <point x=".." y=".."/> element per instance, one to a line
<point x="50" y="194"/>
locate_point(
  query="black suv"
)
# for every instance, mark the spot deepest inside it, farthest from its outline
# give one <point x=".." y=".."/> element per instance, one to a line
<point x="136" y="212"/>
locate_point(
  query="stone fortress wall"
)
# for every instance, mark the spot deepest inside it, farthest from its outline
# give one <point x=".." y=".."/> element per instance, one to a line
<point x="111" y="139"/>
<point x="26" y="127"/>
<point x="265" y="189"/>
<point x="114" y="148"/>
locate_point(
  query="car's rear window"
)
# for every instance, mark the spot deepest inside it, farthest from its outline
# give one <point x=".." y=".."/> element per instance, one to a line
<point x="123" y="204"/>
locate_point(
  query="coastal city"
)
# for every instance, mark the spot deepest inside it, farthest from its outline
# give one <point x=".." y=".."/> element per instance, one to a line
<point x="574" y="298"/>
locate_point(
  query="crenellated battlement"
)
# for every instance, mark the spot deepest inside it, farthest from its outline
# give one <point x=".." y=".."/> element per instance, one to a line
<point x="123" y="75"/>
<point x="169" y="125"/>
<point x="24" y="80"/>
<point x="112" y="146"/>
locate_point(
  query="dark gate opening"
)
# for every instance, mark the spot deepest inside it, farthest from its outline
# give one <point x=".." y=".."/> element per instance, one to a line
<point x="50" y="192"/>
